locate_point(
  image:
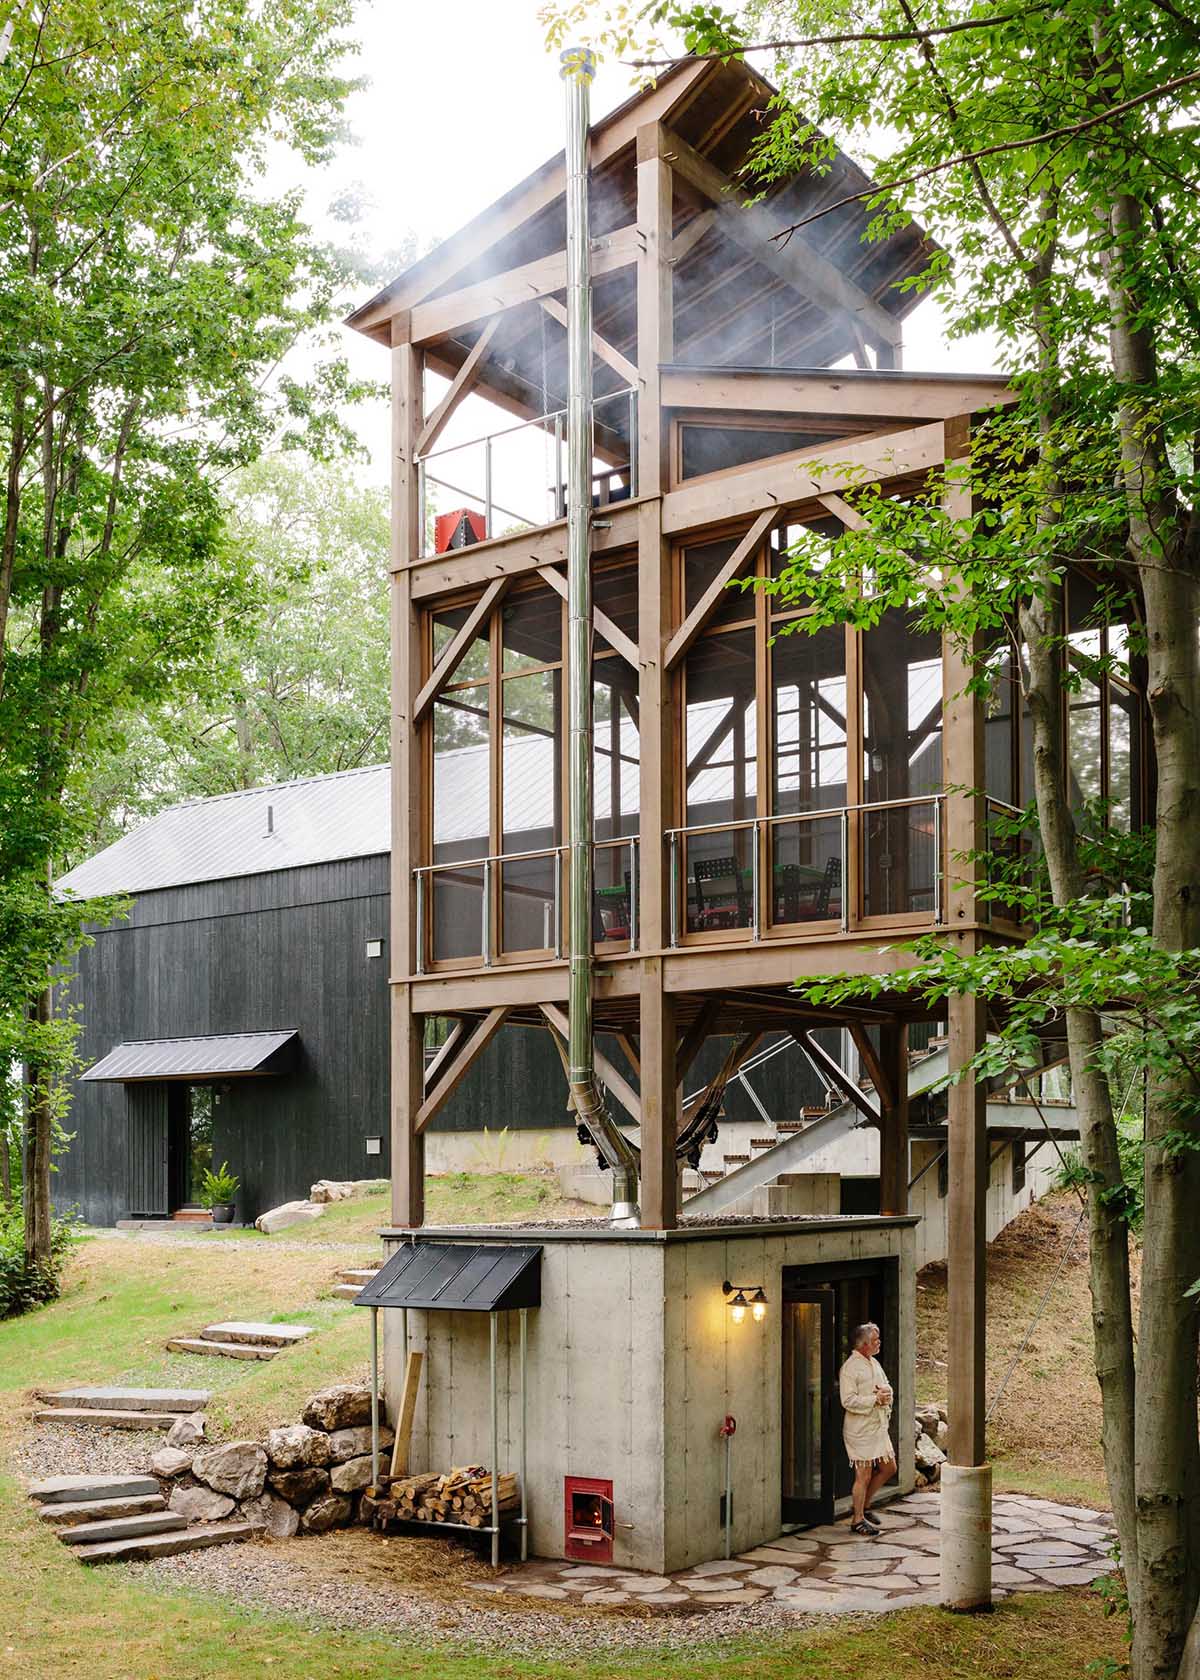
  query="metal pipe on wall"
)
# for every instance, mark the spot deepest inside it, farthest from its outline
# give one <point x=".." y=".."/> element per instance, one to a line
<point x="578" y="69"/>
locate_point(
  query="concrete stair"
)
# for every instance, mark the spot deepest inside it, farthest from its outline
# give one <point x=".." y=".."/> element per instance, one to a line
<point x="236" y="1340"/>
<point x="116" y="1518"/>
<point x="121" y="1408"/>
<point x="352" y="1279"/>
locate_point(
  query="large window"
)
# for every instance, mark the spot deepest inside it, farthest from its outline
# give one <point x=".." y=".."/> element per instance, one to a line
<point x="498" y="777"/>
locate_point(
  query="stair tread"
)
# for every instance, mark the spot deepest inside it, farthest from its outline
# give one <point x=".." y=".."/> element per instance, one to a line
<point x="67" y="1513"/>
<point x="76" y="1488"/>
<point x="131" y="1399"/>
<point x="100" y="1416"/>
<point x="247" y="1331"/>
<point x="347" y="1291"/>
<point x="124" y="1528"/>
<point x="227" y="1350"/>
<point x="165" y="1545"/>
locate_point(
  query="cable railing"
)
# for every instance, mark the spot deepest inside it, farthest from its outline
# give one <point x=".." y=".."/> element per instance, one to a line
<point x="780" y="871"/>
<point x="479" y="909"/>
<point x="514" y="480"/>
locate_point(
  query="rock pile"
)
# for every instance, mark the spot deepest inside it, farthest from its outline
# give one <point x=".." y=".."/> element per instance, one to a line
<point x="304" y="1478"/>
<point x="931" y="1437"/>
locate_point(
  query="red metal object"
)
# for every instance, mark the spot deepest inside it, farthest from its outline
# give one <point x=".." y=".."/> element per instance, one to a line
<point x="458" y="530"/>
<point x="588" y="1519"/>
<point x="729" y="1426"/>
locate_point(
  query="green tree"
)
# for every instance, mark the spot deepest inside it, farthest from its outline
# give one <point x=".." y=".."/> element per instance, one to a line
<point x="149" y="288"/>
<point x="1051" y="150"/>
<point x="297" y="683"/>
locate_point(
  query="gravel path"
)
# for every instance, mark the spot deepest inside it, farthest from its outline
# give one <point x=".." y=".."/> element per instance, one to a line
<point x="65" y="1449"/>
<point x="263" y="1577"/>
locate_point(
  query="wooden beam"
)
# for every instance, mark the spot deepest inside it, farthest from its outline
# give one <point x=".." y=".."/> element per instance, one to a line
<point x="835" y="1073"/>
<point x="881" y="1074"/>
<point x="966" y="1235"/>
<point x="461" y="1066"/>
<point x="408" y="1411"/>
<point x="660" y="1176"/>
<point x="849" y="516"/>
<point x="789" y="480"/>
<point x="600" y="346"/>
<point x="892" y="1085"/>
<point x="631" y="1050"/>
<point x="695" y="621"/>
<point x="434" y="1071"/>
<point x="457" y="649"/>
<point x="800" y="264"/>
<point x="611" y="1076"/>
<point x="462" y="382"/>
<point x="523" y="551"/>
<point x="612" y="633"/>
<point x="691" y="236"/>
<point x="693" y="1039"/>
<point x="903" y="398"/>
<point x="655" y="307"/>
<point x="526" y="284"/>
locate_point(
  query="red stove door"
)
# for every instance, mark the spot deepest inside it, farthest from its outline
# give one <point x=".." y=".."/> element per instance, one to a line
<point x="588" y="1519"/>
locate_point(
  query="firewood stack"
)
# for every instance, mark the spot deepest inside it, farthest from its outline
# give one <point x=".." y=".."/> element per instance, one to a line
<point x="462" y="1495"/>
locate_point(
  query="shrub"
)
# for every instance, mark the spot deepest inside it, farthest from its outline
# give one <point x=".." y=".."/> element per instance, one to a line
<point x="24" y="1283"/>
<point x="220" y="1187"/>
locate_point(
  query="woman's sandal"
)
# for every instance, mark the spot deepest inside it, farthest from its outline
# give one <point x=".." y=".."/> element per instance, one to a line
<point x="872" y="1522"/>
<point x="865" y="1529"/>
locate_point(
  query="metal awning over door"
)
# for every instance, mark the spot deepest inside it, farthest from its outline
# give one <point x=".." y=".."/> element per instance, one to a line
<point x="213" y="1056"/>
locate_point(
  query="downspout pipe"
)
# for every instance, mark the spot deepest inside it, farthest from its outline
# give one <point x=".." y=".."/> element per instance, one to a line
<point x="578" y="69"/>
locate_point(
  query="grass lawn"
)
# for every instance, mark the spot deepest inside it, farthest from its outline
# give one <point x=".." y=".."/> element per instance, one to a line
<point x="124" y="1297"/>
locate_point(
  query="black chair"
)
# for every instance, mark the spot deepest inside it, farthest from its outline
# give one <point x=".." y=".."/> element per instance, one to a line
<point x="726" y="904"/>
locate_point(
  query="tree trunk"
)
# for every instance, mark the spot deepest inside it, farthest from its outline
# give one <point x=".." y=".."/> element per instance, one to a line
<point x="1167" y="1444"/>
<point x="39" y="1136"/>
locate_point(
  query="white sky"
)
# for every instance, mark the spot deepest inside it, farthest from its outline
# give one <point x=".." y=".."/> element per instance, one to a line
<point x="463" y="102"/>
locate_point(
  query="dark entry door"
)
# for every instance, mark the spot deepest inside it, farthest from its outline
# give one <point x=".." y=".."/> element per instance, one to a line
<point x="808" y="1373"/>
<point x="148" y="1150"/>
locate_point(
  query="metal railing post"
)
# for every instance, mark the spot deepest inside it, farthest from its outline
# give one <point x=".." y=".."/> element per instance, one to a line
<point x="560" y="508"/>
<point x="487" y="486"/>
<point x="633" y="894"/>
<point x="755" y="882"/>
<point x="486" y="929"/>
<point x="558" y="866"/>
<point x="633" y="442"/>
<point x="673" y="887"/>
<point x="422" y="513"/>
<point x="939" y="913"/>
<point x="845" y="869"/>
<point x="420" y="884"/>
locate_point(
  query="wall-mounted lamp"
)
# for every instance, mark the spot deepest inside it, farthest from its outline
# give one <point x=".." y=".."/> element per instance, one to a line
<point x="757" y="1302"/>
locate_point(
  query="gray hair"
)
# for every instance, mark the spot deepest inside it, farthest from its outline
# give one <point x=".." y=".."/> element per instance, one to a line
<point x="862" y="1333"/>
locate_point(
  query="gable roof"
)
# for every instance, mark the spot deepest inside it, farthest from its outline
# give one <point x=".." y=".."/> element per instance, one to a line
<point x="284" y="826"/>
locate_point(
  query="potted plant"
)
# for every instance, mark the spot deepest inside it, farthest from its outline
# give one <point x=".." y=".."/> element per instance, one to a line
<point x="218" y="1190"/>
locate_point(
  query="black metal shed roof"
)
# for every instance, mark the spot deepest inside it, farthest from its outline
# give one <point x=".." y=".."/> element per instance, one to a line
<point x="213" y="1056"/>
<point x="458" y="1277"/>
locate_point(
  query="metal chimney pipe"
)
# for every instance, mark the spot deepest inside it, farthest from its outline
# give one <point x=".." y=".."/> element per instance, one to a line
<point x="578" y="69"/>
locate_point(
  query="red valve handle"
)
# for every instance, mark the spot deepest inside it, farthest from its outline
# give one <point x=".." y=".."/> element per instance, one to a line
<point x="729" y="1426"/>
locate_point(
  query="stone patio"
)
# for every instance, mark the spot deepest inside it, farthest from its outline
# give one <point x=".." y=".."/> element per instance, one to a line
<point x="1037" y="1546"/>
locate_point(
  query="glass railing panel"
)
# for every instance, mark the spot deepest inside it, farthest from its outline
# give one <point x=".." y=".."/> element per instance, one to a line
<point x="455" y="899"/>
<point x="806" y="868"/>
<point x="718" y="877"/>
<point x="529" y="903"/>
<point x="900" y="859"/>
<point x="616" y="894"/>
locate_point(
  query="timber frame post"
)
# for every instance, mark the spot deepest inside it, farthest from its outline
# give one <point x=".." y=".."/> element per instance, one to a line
<point x="660" y="1100"/>
<point x="407" y="1027"/>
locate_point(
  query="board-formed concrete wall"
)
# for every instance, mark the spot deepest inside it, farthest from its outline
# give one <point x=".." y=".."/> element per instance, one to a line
<point x="633" y="1363"/>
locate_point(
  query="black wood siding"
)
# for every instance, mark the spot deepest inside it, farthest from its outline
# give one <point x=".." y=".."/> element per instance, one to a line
<point x="288" y="950"/>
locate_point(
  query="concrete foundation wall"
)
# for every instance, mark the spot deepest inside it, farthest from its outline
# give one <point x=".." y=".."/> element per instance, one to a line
<point x="633" y="1363"/>
<point x="1003" y="1205"/>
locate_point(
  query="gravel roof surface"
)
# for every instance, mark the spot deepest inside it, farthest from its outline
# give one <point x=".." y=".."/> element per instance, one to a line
<point x="262" y="1576"/>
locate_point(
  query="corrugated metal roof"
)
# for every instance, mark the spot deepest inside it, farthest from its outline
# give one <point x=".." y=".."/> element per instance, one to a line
<point x="216" y="1054"/>
<point x="458" y="1277"/>
<point x="319" y="820"/>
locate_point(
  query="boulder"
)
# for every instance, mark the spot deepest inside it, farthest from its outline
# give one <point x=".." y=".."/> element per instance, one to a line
<point x="349" y="1477"/>
<point x="352" y="1443"/>
<point x="274" y="1516"/>
<point x="297" y="1447"/>
<point x="927" y="1420"/>
<point x="288" y="1213"/>
<point x="200" y="1504"/>
<point x="332" y="1511"/>
<point x="330" y="1190"/>
<point x="169" y="1462"/>
<point x="344" y="1406"/>
<point x="928" y="1454"/>
<point x="186" y="1431"/>
<point x="943" y="1434"/>
<point x="238" y="1469"/>
<point x="298" y="1487"/>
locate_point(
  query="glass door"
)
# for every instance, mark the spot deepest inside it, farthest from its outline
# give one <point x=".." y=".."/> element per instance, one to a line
<point x="808" y="1377"/>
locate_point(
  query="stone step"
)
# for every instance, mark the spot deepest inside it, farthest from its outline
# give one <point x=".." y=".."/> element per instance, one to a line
<point x="165" y="1545"/>
<point x="67" y="1513"/>
<point x="124" y="1528"/>
<point x="268" y="1335"/>
<point x="228" y="1350"/>
<point x="357" y="1274"/>
<point x="347" y="1291"/>
<point x="72" y="1489"/>
<point x="132" y="1399"/>
<point x="103" y="1418"/>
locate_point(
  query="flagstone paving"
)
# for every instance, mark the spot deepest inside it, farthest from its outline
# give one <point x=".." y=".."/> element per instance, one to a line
<point x="1037" y="1547"/>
